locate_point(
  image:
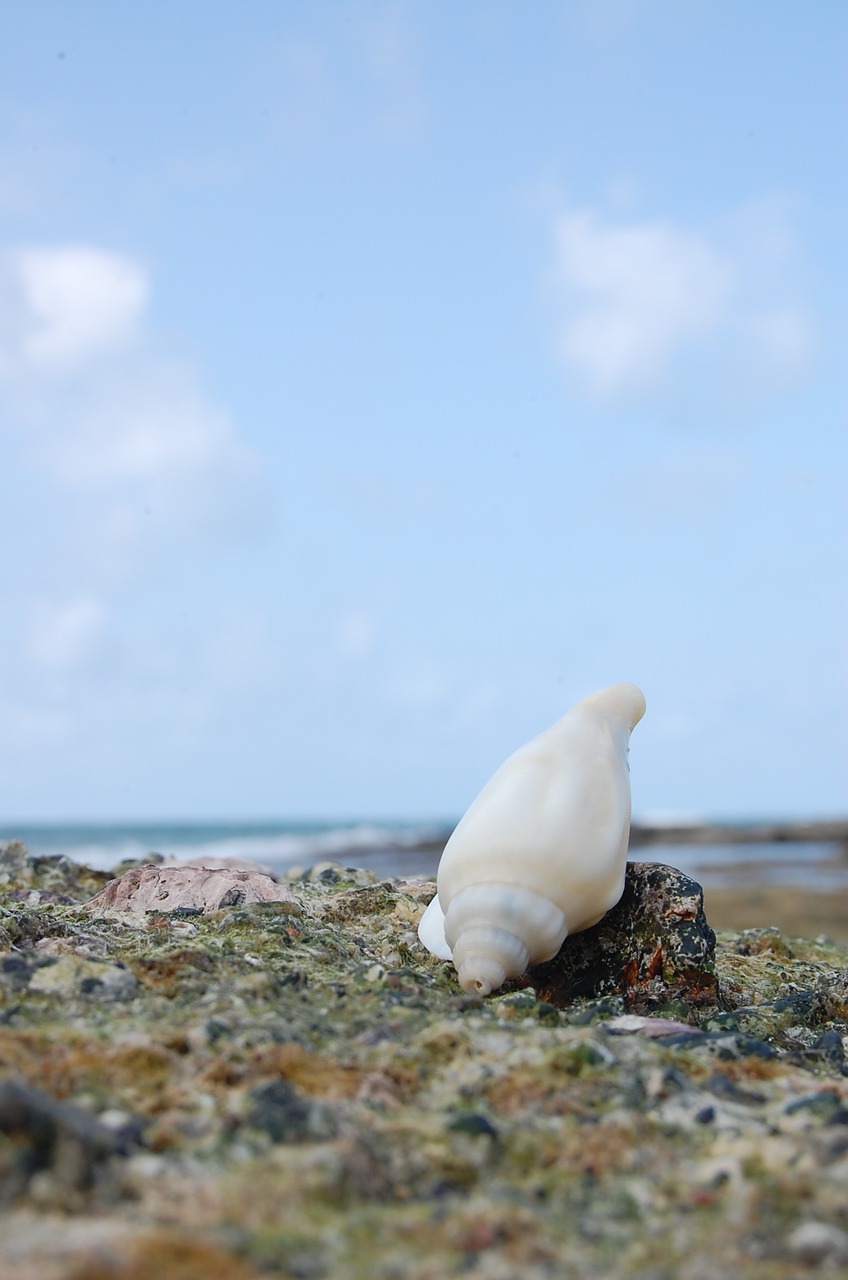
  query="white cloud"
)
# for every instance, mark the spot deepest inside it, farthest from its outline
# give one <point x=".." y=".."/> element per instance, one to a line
<point x="642" y="303"/>
<point x="640" y="293"/>
<point x="128" y="460"/>
<point x="62" y="306"/>
<point x="99" y="406"/>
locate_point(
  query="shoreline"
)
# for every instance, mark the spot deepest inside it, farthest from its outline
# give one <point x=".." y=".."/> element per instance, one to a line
<point x="792" y="875"/>
<point x="817" y="831"/>
<point x="796" y="911"/>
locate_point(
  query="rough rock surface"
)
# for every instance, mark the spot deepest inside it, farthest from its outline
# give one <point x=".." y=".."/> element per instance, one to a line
<point x="654" y="947"/>
<point x="154" y="888"/>
<point x="297" y="1089"/>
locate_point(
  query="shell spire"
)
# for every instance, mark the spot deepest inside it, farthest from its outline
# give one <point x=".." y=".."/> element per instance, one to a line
<point x="541" y="852"/>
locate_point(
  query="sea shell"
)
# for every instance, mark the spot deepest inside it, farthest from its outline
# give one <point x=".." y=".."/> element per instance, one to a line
<point x="541" y="852"/>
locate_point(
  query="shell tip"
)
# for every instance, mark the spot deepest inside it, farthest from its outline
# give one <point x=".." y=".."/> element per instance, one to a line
<point x="480" y="975"/>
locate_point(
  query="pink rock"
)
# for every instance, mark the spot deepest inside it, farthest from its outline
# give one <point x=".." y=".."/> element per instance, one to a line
<point x="156" y="888"/>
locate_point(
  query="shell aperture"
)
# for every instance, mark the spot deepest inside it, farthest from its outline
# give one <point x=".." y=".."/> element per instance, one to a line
<point x="541" y="852"/>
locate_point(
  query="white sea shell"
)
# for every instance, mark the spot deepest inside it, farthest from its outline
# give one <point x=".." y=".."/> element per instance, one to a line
<point x="541" y="852"/>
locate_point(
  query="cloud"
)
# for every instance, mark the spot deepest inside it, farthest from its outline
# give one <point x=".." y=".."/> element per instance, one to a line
<point x="60" y="307"/>
<point x="644" y="303"/>
<point x="128" y="460"/>
<point x="99" y="405"/>
<point x="640" y="293"/>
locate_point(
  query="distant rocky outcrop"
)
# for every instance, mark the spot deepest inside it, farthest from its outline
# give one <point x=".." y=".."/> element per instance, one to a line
<point x="204" y="889"/>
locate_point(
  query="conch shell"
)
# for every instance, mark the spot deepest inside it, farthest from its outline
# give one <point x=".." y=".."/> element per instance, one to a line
<point x="541" y="852"/>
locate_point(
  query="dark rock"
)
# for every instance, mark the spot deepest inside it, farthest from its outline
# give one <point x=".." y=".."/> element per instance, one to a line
<point x="829" y="1045"/>
<point x="54" y="1135"/>
<point x="742" y="1046"/>
<point x="824" y="1105"/>
<point x="286" y="1115"/>
<point x="654" y="946"/>
<point x="474" y="1124"/>
<point x="723" y="1087"/>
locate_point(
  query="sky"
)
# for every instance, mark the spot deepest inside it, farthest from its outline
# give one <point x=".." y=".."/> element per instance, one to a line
<point x="378" y="379"/>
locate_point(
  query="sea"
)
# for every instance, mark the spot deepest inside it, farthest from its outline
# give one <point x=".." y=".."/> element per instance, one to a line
<point x="401" y="848"/>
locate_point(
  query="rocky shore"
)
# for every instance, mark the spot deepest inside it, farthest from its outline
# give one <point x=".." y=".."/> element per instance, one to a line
<point x="195" y="1084"/>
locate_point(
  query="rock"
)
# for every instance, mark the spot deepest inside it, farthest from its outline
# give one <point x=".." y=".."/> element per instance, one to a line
<point x="71" y="975"/>
<point x="202" y="889"/>
<point x="653" y="947"/>
<point x="302" y="1087"/>
<point x="814" y="1242"/>
<point x="53" y="1135"/>
<point x="286" y="1115"/>
<point x="51" y="878"/>
<point x="830" y="1045"/>
<point x="15" y="863"/>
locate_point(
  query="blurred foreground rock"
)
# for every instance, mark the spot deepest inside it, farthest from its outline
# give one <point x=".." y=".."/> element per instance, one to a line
<point x="54" y="1136"/>
<point x="654" y="947"/>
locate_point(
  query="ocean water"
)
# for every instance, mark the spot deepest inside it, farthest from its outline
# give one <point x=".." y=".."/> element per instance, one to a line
<point x="393" y="849"/>
<point x="390" y="848"/>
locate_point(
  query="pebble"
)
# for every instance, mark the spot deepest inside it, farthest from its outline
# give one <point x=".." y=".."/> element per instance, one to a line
<point x="815" y="1242"/>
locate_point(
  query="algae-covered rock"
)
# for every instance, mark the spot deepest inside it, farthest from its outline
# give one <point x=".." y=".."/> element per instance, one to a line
<point x="53" y="878"/>
<point x="297" y="1088"/>
<point x="68" y="975"/>
<point x="655" y="946"/>
<point x="54" y="1136"/>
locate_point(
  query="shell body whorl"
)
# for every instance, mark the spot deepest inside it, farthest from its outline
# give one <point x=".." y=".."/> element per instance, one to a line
<point x="541" y="852"/>
<point x="495" y="929"/>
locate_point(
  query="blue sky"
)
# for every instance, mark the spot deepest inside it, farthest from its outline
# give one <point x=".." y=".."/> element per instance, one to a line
<point x="378" y="379"/>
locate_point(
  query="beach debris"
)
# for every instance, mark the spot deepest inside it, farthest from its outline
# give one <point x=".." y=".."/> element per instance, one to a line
<point x="55" y="1136"/>
<point x="655" y="946"/>
<point x="540" y="854"/>
<point x="187" y="888"/>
